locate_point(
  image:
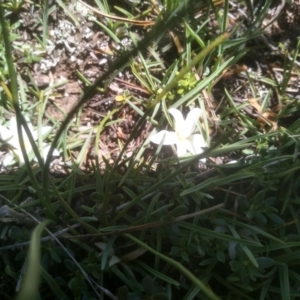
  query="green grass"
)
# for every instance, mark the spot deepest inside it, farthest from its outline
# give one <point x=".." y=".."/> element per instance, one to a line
<point x="156" y="226"/>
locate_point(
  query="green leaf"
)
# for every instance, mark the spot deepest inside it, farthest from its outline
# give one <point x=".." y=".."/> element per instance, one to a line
<point x="30" y="285"/>
<point x="284" y="282"/>
<point x="216" y="181"/>
<point x="158" y="274"/>
<point x="179" y="210"/>
<point x="148" y="285"/>
<point x="265" y="262"/>
<point x="175" y="251"/>
<point x="53" y="285"/>
<point x="160" y="296"/>
<point x="55" y="256"/>
<point x="276" y="219"/>
<point x="123" y="293"/>
<point x="221" y="256"/>
<point x="213" y="234"/>
<point x="260" y="217"/>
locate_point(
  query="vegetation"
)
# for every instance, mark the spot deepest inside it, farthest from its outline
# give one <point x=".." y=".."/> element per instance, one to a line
<point x="114" y="209"/>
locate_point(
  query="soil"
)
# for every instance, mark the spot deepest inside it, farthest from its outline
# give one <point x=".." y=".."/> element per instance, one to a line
<point x="71" y="49"/>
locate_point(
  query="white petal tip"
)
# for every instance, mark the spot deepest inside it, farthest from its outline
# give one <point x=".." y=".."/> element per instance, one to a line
<point x="164" y="137"/>
<point x="8" y="160"/>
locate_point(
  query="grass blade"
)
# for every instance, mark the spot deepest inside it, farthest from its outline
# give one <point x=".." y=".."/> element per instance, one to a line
<point x="29" y="287"/>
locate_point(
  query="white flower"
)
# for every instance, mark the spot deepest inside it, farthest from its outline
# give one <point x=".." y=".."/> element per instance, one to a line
<point x="9" y="135"/>
<point x="183" y="137"/>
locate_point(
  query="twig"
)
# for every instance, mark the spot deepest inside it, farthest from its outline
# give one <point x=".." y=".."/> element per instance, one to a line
<point x="151" y="225"/>
<point x="44" y="239"/>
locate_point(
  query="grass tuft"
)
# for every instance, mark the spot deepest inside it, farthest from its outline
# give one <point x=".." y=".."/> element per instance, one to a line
<point x="127" y="218"/>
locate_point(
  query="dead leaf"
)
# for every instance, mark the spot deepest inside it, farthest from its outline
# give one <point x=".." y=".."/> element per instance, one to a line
<point x="255" y="104"/>
<point x="267" y="117"/>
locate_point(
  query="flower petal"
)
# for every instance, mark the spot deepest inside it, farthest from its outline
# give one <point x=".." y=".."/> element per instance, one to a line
<point x="181" y="147"/>
<point x="13" y="124"/>
<point x="18" y="154"/>
<point x="10" y="134"/>
<point x="14" y="141"/>
<point x="46" y="130"/>
<point x="198" y="141"/>
<point x="33" y="132"/>
<point x="194" y="144"/>
<point x="8" y="160"/>
<point x="164" y="137"/>
<point x="190" y="123"/>
<point x="12" y="127"/>
<point x="46" y="149"/>
<point x="178" y="120"/>
<point x="5" y="134"/>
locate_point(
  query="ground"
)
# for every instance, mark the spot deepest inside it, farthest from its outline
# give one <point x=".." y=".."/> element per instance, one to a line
<point x="122" y="222"/>
<point x="79" y="46"/>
